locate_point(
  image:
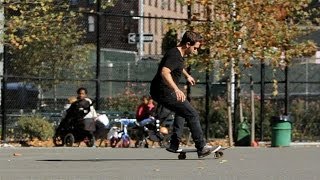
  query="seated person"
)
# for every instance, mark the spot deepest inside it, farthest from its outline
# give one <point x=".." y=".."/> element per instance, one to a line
<point x="145" y="111"/>
<point x="83" y="95"/>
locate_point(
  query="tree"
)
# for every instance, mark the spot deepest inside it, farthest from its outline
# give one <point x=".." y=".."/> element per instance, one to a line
<point x="256" y="30"/>
<point x="170" y="40"/>
<point x="44" y="39"/>
<point x="238" y="32"/>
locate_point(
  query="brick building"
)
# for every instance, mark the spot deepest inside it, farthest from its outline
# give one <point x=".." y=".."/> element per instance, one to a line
<point x="118" y="21"/>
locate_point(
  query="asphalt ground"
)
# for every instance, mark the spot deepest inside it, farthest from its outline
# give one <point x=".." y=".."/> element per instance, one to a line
<point x="154" y="163"/>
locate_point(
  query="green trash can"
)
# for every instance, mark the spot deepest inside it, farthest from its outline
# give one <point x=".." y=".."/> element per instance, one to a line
<point x="281" y="131"/>
<point x="243" y="134"/>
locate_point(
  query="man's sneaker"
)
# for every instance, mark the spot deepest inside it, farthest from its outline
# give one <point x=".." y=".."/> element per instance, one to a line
<point x="173" y="149"/>
<point x="207" y="150"/>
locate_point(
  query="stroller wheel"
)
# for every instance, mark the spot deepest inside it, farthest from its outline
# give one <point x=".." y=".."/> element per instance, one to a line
<point x="69" y="140"/>
<point x="90" y="142"/>
<point x="165" y="141"/>
<point x="125" y="142"/>
<point x="114" y="141"/>
<point x="57" y="141"/>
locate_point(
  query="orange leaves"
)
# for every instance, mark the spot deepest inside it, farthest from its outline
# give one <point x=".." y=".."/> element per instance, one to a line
<point x="256" y="28"/>
<point x="202" y="2"/>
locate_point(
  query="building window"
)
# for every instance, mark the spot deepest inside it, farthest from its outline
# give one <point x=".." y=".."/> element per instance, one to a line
<point x="149" y="22"/>
<point x="150" y="2"/>
<point x="156" y="47"/>
<point x="181" y="8"/>
<point x="156" y="3"/>
<point x="156" y="25"/>
<point x="163" y="4"/>
<point x="149" y="48"/>
<point x="126" y="23"/>
<point x="169" y="5"/>
<point x="162" y="27"/>
<point x="91" y="24"/>
<point x="175" y="6"/>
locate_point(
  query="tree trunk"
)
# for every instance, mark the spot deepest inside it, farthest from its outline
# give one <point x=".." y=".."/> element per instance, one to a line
<point x="229" y="114"/>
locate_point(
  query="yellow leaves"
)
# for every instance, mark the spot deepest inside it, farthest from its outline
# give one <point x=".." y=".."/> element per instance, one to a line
<point x="13" y="7"/>
<point x="28" y="39"/>
<point x="275" y="87"/>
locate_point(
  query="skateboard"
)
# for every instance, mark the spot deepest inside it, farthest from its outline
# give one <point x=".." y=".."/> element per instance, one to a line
<point x="218" y="154"/>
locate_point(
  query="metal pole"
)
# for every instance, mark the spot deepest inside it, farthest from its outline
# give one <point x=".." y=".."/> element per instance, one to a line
<point x="189" y="67"/>
<point x="207" y="104"/>
<point x="98" y="54"/>
<point x="252" y="110"/>
<point x="286" y="87"/>
<point x="4" y="87"/>
<point x="235" y="105"/>
<point x="262" y="91"/>
<point x="141" y="29"/>
<point x="4" y="97"/>
<point x="307" y="84"/>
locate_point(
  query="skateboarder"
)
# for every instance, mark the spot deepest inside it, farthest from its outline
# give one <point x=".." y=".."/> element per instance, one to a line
<point x="165" y="91"/>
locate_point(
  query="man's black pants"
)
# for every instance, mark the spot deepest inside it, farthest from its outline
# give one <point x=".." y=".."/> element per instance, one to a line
<point x="184" y="112"/>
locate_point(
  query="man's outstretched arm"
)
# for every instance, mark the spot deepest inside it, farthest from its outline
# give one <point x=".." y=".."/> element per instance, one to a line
<point x="166" y="75"/>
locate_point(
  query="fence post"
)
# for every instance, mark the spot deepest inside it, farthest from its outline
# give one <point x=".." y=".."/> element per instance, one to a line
<point x="4" y="84"/>
<point x="4" y="96"/>
<point x="189" y="67"/>
<point x="98" y="54"/>
<point x="252" y="110"/>
<point x="207" y="104"/>
<point x="286" y="88"/>
<point x="262" y="91"/>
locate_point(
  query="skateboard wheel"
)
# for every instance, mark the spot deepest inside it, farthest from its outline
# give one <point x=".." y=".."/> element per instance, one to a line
<point x="218" y="154"/>
<point x="182" y="156"/>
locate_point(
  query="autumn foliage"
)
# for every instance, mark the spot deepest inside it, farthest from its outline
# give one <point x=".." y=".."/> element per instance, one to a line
<point x="247" y="31"/>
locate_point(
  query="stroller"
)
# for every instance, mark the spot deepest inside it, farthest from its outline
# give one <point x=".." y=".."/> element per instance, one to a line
<point x="73" y="128"/>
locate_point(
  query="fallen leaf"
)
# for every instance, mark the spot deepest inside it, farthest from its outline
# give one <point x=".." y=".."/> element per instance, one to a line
<point x="223" y="161"/>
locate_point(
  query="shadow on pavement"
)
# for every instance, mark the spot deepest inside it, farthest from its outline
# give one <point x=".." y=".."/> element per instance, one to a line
<point x="98" y="160"/>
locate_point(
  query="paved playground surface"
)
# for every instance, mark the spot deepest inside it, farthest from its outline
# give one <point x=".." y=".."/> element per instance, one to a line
<point x="155" y="163"/>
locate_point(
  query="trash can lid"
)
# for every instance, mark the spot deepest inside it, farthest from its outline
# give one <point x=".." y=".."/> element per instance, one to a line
<point x="281" y="118"/>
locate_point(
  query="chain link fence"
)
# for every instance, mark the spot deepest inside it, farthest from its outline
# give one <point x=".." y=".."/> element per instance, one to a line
<point x="127" y="68"/>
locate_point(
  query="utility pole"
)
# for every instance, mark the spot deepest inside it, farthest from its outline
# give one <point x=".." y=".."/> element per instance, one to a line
<point x="140" y="48"/>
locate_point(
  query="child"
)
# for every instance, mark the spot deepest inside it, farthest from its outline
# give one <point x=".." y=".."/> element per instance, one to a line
<point x="71" y="100"/>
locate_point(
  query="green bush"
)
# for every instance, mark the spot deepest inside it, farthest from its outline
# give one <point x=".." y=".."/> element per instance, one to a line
<point x="35" y="127"/>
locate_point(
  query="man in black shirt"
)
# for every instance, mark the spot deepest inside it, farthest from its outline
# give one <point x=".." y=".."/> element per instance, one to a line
<point x="164" y="89"/>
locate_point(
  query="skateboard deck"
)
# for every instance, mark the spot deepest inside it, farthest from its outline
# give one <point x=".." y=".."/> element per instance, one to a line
<point x="216" y="155"/>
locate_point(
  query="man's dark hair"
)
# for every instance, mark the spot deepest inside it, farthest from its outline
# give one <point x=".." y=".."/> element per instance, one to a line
<point x="82" y="88"/>
<point x="190" y="37"/>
